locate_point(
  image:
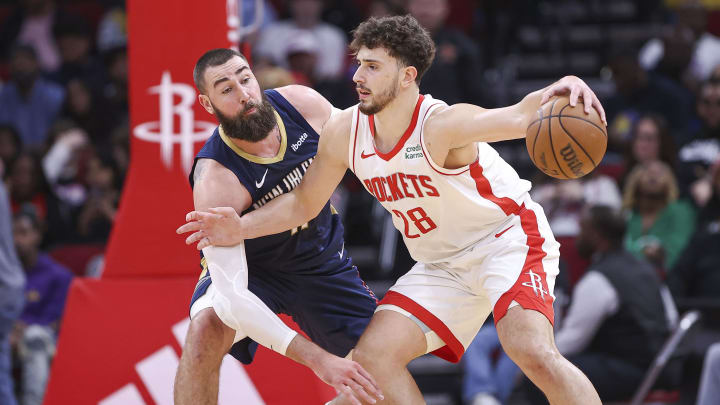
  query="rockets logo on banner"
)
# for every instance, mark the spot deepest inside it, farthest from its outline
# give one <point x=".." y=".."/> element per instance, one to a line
<point x="164" y="132"/>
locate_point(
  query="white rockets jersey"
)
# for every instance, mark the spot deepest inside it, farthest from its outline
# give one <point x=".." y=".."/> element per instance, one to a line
<point x="440" y="212"/>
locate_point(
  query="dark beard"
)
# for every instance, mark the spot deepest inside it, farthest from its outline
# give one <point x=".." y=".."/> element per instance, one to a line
<point x="252" y="128"/>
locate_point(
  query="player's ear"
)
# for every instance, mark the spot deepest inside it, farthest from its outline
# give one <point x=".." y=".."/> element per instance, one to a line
<point x="205" y="102"/>
<point x="409" y="76"/>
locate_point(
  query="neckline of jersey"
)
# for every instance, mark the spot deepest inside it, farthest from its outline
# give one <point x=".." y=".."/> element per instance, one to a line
<point x="259" y="159"/>
<point x="413" y="122"/>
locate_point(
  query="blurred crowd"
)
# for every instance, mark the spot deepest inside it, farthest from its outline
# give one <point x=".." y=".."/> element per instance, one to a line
<point x="648" y="215"/>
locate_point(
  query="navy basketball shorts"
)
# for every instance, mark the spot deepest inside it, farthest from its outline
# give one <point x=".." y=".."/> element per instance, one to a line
<point x="331" y="304"/>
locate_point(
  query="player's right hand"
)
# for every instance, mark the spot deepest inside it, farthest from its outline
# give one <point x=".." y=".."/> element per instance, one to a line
<point x="217" y="227"/>
<point x="350" y="379"/>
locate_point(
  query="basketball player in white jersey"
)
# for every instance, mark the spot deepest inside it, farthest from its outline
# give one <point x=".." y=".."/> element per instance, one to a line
<point x="482" y="245"/>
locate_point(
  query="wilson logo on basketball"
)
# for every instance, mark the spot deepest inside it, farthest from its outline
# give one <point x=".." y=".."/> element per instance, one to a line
<point x="570" y="157"/>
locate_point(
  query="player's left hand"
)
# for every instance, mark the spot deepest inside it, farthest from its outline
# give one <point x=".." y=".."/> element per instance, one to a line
<point x="349" y="379"/>
<point x="216" y="227"/>
<point x="577" y="89"/>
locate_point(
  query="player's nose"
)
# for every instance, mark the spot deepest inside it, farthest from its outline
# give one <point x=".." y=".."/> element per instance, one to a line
<point x="243" y="94"/>
<point x="358" y="77"/>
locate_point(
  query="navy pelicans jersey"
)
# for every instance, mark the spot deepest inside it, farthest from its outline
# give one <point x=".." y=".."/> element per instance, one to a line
<point x="309" y="246"/>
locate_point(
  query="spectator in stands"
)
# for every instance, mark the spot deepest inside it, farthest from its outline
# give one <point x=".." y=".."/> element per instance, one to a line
<point x="697" y="272"/>
<point x="115" y="89"/>
<point x="650" y="141"/>
<point x="639" y="92"/>
<point x="112" y="29"/>
<point x="659" y="225"/>
<point x="385" y="8"/>
<point x="687" y="52"/>
<point x="31" y="24"/>
<point x="74" y="40"/>
<point x="563" y="200"/>
<point x="302" y="55"/>
<point x="709" y="390"/>
<point x="10" y="144"/>
<point x="27" y="185"/>
<point x="103" y="190"/>
<point x="332" y="42"/>
<point x="617" y="321"/>
<point x="12" y="284"/>
<point x="47" y="285"/>
<point x="89" y="112"/>
<point x="270" y="77"/>
<point x="29" y="102"/>
<point x="696" y="156"/>
<point x="456" y="72"/>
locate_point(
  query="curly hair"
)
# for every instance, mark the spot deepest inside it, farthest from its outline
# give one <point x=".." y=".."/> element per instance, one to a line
<point x="403" y="38"/>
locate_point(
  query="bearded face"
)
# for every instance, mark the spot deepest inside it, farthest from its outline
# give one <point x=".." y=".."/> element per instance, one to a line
<point x="252" y="124"/>
<point x="375" y="102"/>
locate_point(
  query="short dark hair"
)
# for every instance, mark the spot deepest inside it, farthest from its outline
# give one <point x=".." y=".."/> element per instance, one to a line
<point x="403" y="38"/>
<point x="213" y="57"/>
<point x="608" y="222"/>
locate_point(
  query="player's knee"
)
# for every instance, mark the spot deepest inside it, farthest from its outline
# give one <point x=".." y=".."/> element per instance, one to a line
<point x="532" y="357"/>
<point x="386" y="354"/>
<point x="209" y="333"/>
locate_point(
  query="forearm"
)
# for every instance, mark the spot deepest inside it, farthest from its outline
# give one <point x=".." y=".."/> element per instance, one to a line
<point x="306" y="352"/>
<point x="238" y="307"/>
<point x="284" y="212"/>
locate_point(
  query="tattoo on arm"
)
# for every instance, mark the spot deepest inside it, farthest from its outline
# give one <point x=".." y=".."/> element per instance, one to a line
<point x="199" y="169"/>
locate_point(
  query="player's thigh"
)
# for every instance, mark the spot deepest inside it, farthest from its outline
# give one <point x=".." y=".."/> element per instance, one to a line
<point x="334" y="308"/>
<point x="440" y="301"/>
<point x="390" y="338"/>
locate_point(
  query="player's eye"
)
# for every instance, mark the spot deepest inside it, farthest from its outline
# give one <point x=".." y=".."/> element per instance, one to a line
<point x="227" y="90"/>
<point x="245" y="80"/>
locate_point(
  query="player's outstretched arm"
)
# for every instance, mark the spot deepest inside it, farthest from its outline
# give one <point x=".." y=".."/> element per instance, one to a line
<point x="224" y="227"/>
<point x="467" y="123"/>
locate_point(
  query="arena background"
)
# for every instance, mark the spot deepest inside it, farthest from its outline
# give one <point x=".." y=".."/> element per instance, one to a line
<point x="124" y="69"/>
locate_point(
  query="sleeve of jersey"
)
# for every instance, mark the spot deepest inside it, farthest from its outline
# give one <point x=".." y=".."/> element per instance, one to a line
<point x="239" y="308"/>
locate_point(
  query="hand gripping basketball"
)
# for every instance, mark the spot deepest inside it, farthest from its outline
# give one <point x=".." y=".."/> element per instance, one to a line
<point x="564" y="141"/>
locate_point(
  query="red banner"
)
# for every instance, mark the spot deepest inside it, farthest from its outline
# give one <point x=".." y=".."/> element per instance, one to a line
<point x="168" y="127"/>
<point x="121" y="343"/>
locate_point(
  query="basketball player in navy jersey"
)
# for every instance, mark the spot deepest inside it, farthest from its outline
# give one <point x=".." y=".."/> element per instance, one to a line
<point x="264" y="144"/>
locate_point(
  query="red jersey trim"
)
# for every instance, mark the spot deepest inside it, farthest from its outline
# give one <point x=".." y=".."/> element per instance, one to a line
<point x="404" y="138"/>
<point x="357" y="124"/>
<point x="453" y="349"/>
<point x="526" y="293"/>
<point x="522" y="293"/>
<point x="485" y="190"/>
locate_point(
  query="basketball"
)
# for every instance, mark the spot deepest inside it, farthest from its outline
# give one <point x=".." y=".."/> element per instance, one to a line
<point x="563" y="141"/>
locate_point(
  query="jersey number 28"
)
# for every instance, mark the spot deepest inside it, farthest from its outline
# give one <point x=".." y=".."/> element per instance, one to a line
<point x="421" y="220"/>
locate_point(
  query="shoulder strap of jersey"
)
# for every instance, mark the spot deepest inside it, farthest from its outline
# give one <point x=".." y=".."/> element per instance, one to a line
<point x="352" y="145"/>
